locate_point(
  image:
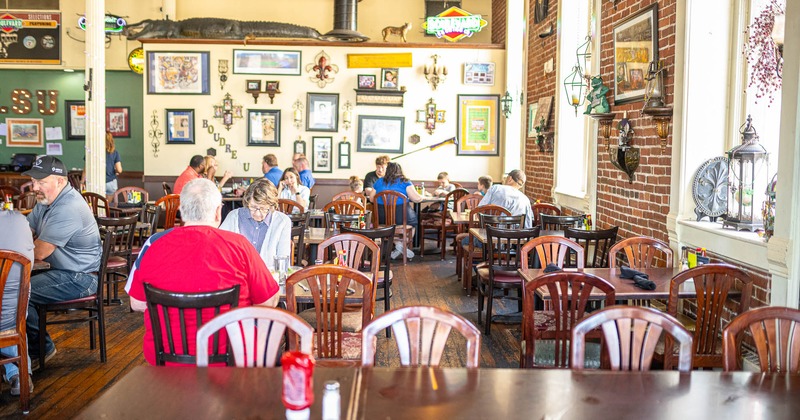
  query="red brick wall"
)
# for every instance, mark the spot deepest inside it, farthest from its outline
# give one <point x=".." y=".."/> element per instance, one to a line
<point x="498" y="21"/>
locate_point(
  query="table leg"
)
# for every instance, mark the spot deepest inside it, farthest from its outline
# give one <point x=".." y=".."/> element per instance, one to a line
<point x="417" y="207"/>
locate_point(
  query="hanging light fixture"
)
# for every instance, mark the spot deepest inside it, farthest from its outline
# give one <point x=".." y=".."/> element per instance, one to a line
<point x="584" y="54"/>
<point x="574" y="86"/>
<point x="506" y="101"/>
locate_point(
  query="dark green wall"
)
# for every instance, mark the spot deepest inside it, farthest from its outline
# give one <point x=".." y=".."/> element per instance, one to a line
<point x="123" y="88"/>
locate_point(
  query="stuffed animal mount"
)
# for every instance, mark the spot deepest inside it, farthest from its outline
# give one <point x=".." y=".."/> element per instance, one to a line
<point x="216" y="28"/>
<point x="400" y="31"/>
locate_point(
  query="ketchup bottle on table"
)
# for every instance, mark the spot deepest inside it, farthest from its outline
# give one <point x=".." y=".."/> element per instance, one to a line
<point x="298" y="391"/>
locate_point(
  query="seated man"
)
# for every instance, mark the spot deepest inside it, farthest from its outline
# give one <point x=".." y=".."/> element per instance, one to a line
<point x="196" y="168"/>
<point x="509" y="196"/>
<point x="198" y="257"/>
<point x="66" y="236"/>
<point x="269" y="165"/>
<point x="378" y="173"/>
<point x="301" y="166"/>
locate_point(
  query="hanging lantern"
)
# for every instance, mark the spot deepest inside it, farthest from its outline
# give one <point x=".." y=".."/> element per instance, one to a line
<point x="584" y="54"/>
<point x="574" y="85"/>
<point x="506" y="102"/>
<point x="747" y="173"/>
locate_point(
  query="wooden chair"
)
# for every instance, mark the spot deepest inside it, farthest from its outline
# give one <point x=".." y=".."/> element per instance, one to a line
<point x="25" y="201"/>
<point x="26" y="186"/>
<point x="361" y="253"/>
<point x="312" y="201"/>
<point x="335" y="221"/>
<point x="421" y="333"/>
<point x="255" y="335"/>
<point x="299" y="218"/>
<point x="351" y="196"/>
<point x="641" y="252"/>
<point x="299" y="248"/>
<point x="442" y="223"/>
<point x="457" y="184"/>
<point x="387" y="200"/>
<point x="289" y="206"/>
<point x="166" y="188"/>
<point x="99" y="205"/>
<point x="466" y="255"/>
<point x="500" y="272"/>
<point x="549" y="222"/>
<point x="569" y="293"/>
<point x="328" y="286"/>
<point x="123" y="195"/>
<point x="8" y="190"/>
<point x="344" y="207"/>
<point x="171" y="204"/>
<point x="544" y="208"/>
<point x="502" y="221"/>
<point x="75" y="179"/>
<point x="17" y="336"/>
<point x="119" y="259"/>
<point x="468" y="202"/>
<point x="150" y="216"/>
<point x="553" y="250"/>
<point x="630" y="335"/>
<point x="595" y="243"/>
<point x="175" y="310"/>
<point x="713" y="283"/>
<point x="776" y="333"/>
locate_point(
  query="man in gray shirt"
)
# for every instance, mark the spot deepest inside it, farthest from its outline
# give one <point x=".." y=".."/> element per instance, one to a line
<point x="510" y="197"/>
<point x="66" y="236"/>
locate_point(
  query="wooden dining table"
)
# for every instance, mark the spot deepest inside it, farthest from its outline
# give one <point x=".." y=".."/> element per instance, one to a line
<point x="624" y="289"/>
<point x="454" y="393"/>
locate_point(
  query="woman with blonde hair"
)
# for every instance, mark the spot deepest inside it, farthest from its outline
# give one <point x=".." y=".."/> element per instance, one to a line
<point x="113" y="166"/>
<point x="210" y="171"/>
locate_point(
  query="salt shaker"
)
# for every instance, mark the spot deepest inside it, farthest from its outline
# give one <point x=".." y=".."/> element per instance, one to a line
<point x="331" y="401"/>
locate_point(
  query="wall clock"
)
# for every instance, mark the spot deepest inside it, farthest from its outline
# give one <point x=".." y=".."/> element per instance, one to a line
<point x="710" y="188"/>
<point x="136" y="60"/>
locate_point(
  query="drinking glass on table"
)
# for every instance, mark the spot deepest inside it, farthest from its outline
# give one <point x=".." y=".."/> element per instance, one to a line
<point x="282" y="267"/>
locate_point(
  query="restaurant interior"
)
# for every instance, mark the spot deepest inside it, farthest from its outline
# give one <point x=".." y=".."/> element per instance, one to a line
<point x="657" y="136"/>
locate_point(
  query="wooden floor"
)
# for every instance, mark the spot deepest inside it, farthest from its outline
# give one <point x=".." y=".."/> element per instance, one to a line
<point x="75" y="376"/>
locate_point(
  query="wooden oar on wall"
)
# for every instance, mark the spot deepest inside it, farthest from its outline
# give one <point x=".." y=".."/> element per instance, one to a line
<point x="451" y="140"/>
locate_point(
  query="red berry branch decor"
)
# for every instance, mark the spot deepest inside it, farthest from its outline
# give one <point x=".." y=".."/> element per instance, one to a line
<point x="764" y="53"/>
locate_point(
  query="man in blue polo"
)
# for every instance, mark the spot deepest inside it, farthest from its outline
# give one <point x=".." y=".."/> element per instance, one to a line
<point x="300" y="163"/>
<point x="272" y="172"/>
<point x="66" y="236"/>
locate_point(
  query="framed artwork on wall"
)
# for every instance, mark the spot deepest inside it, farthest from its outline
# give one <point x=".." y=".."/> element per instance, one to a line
<point x="481" y="74"/>
<point x="366" y="81"/>
<point x="178" y="73"/>
<point x="380" y="134"/>
<point x="180" y="126"/>
<point x="543" y="113"/>
<point x="635" y="46"/>
<point x="285" y="63"/>
<point x="299" y="147"/>
<point x="532" y="121"/>
<point x="478" y="125"/>
<point x="75" y="119"/>
<point x="264" y="127"/>
<point x="118" y="121"/>
<point x="389" y="79"/>
<point x="322" y="156"/>
<point x="344" y="155"/>
<point x="24" y="132"/>
<point x="323" y="112"/>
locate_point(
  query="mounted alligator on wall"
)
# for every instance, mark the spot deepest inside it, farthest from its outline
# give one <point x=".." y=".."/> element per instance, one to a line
<point x="216" y="28"/>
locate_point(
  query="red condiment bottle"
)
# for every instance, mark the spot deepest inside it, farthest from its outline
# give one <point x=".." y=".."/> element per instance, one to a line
<point x="298" y="391"/>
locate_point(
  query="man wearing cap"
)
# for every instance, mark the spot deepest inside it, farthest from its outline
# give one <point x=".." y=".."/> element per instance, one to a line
<point x="66" y="236"/>
<point x="197" y="165"/>
<point x="272" y="172"/>
<point x="509" y="196"/>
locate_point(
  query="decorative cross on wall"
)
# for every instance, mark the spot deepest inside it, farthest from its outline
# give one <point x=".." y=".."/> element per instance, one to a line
<point x="227" y="111"/>
<point x="430" y="116"/>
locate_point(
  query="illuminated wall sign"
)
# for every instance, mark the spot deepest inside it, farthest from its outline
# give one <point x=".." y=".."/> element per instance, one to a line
<point x="114" y="24"/>
<point x="30" y="38"/>
<point x="454" y="24"/>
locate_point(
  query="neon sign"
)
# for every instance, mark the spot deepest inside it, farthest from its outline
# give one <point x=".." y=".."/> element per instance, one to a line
<point x="114" y="24"/>
<point x="453" y="24"/>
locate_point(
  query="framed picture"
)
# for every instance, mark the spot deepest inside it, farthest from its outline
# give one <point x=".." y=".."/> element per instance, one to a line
<point x="389" y="79"/>
<point x="478" y="125"/>
<point x="635" y="46"/>
<point x="380" y="134"/>
<point x="264" y="127"/>
<point x="545" y="105"/>
<point x="532" y="121"/>
<point x="323" y="112"/>
<point x="177" y="73"/>
<point x="300" y="147"/>
<point x="285" y="63"/>
<point x="421" y="115"/>
<point x="272" y="85"/>
<point x="366" y="81"/>
<point x="440" y="116"/>
<point x="180" y="126"/>
<point x="344" y="155"/>
<point x="253" y="86"/>
<point x="76" y="119"/>
<point x="321" y="158"/>
<point x="481" y="74"/>
<point x="118" y="121"/>
<point x="24" y="132"/>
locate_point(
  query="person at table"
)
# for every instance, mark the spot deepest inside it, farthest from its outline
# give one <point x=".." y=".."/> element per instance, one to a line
<point x="113" y="166"/>
<point x="66" y="236"/>
<point x="198" y="257"/>
<point x="379" y="172"/>
<point x="269" y="231"/>
<point x="357" y="186"/>
<point x="484" y="183"/>
<point x="305" y="177"/>
<point x="196" y="168"/>
<point x="394" y="180"/>
<point x="16" y="237"/>
<point x="210" y="171"/>
<point x="444" y="186"/>
<point x="509" y="196"/>
<point x="289" y="188"/>
<point x="269" y="165"/>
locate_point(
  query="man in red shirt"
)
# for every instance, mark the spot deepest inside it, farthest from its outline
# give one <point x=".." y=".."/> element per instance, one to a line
<point x="193" y="171"/>
<point x="198" y="257"/>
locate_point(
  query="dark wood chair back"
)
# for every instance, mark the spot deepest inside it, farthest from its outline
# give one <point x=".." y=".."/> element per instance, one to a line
<point x="344" y="207"/>
<point x="117" y="259"/>
<point x="288" y="206"/>
<point x="504" y="222"/>
<point x="312" y="201"/>
<point x="569" y="296"/>
<point x="504" y="245"/>
<point x="75" y="179"/>
<point x="549" y="222"/>
<point x="552" y="250"/>
<point x="169" y="312"/>
<point x="98" y="203"/>
<point x="172" y="204"/>
<point x="641" y="252"/>
<point x="451" y="198"/>
<point x="360" y="252"/>
<point x="387" y="200"/>
<point x="166" y="188"/>
<point x="383" y="238"/>
<point x="351" y="196"/>
<point x="457" y="184"/>
<point x="468" y="202"/>
<point x="299" y="218"/>
<point x="595" y="243"/>
<point x="544" y="208"/>
<point x="421" y="333"/>
<point x="776" y="333"/>
<point x="17" y="336"/>
<point x="299" y="248"/>
<point x="150" y="216"/>
<point x="490" y="209"/>
<point x="335" y="221"/>
<point x="8" y="190"/>
<point x="124" y="195"/>
<point x="26" y="186"/>
<point x="25" y="201"/>
<point x="630" y="336"/>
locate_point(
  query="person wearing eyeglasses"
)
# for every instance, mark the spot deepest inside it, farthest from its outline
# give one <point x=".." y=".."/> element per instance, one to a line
<point x="268" y="230"/>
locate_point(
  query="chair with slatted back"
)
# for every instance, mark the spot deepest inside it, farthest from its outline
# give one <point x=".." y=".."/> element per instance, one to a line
<point x="553" y="250"/>
<point x="299" y="218"/>
<point x="75" y="179"/>
<point x="468" y="202"/>
<point x="255" y="335"/>
<point x="125" y="195"/>
<point x="25" y="201"/>
<point x="361" y="253"/>
<point x="630" y="336"/>
<point x="16" y="336"/>
<point x="500" y="271"/>
<point x="149" y="218"/>
<point x="547" y="333"/>
<point x="549" y="222"/>
<point x="467" y="254"/>
<point x="344" y="207"/>
<point x="119" y="261"/>
<point x="595" y="243"/>
<point x="98" y="203"/>
<point x="351" y="196"/>
<point x="299" y="248"/>
<point x="174" y="311"/>
<point x="166" y="188"/>
<point x="421" y="334"/>
<point x="776" y="333"/>
<point x="327" y="289"/>
<point x="26" y="186"/>
<point x="334" y="222"/>
<point x="712" y="283"/>
<point x="290" y="206"/>
<point x="641" y="252"/>
<point x="544" y="208"/>
<point x="457" y="184"/>
<point x="171" y="204"/>
<point x="386" y="203"/>
<point x="442" y="223"/>
<point x="312" y="201"/>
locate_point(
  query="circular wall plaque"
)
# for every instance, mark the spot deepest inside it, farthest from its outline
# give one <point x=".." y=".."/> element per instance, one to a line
<point x="710" y="188"/>
<point x="136" y="60"/>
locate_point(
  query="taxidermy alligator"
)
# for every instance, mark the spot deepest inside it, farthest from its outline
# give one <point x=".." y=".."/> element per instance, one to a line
<point x="216" y="28"/>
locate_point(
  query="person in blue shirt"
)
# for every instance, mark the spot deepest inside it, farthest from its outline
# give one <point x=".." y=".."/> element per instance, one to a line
<point x="113" y="166"/>
<point x="394" y="180"/>
<point x="301" y="165"/>
<point x="271" y="170"/>
<point x="484" y="183"/>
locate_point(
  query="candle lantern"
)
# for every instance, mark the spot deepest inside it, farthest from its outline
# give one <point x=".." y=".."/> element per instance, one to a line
<point x="506" y="102"/>
<point x="747" y="173"/>
<point x="573" y="86"/>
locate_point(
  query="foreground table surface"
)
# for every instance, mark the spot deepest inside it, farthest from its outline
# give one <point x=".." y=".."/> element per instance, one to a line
<point x="406" y="393"/>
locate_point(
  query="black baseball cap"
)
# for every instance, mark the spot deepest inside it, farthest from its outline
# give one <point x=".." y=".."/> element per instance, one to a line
<point x="45" y="166"/>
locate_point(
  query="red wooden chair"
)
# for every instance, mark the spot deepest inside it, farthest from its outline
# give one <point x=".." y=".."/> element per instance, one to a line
<point x="641" y="252"/>
<point x="544" y="208"/>
<point x="171" y="204"/>
<point x="16" y="336"/>
<point x="776" y="333"/>
<point x="289" y="206"/>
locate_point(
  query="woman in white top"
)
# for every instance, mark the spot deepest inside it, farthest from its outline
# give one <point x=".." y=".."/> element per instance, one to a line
<point x="291" y="189"/>
<point x="267" y="229"/>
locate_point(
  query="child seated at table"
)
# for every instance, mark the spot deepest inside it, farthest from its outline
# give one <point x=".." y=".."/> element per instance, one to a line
<point x="444" y="187"/>
<point x="357" y="186"/>
<point x="484" y="183"/>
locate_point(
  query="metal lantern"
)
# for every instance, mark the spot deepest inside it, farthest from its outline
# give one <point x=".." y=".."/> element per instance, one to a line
<point x="584" y="54"/>
<point x="747" y="173"/>
<point x="506" y="102"/>
<point x="654" y="89"/>
<point x="574" y="85"/>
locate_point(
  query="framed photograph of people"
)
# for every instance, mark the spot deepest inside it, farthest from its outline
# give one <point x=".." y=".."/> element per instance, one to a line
<point x="118" y="121"/>
<point x="323" y="112"/>
<point x="299" y="147"/>
<point x="264" y="127"/>
<point x="178" y="73"/>
<point x="478" y="125"/>
<point x="286" y="63"/>
<point x="389" y="79"/>
<point x="322" y="156"/>
<point x="180" y="126"/>
<point x="253" y="86"/>
<point x="344" y="155"/>
<point x="635" y="46"/>
<point x="24" y="132"/>
<point x="366" y="81"/>
<point x="380" y="134"/>
<point x="75" y="119"/>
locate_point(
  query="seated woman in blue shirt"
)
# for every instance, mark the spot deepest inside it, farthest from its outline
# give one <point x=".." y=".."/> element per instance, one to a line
<point x="394" y="180"/>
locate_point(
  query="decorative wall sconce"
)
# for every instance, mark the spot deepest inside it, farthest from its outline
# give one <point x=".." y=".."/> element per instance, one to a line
<point x="222" y="67"/>
<point x="506" y="102"/>
<point x="604" y="128"/>
<point x="624" y="156"/>
<point x="434" y="73"/>
<point x="321" y="69"/>
<point x="347" y="115"/>
<point x="654" y="101"/>
<point x="155" y="133"/>
<point x="297" y="114"/>
<point x="747" y="174"/>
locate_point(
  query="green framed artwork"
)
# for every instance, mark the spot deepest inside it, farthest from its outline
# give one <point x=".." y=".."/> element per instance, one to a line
<point x="478" y="125"/>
